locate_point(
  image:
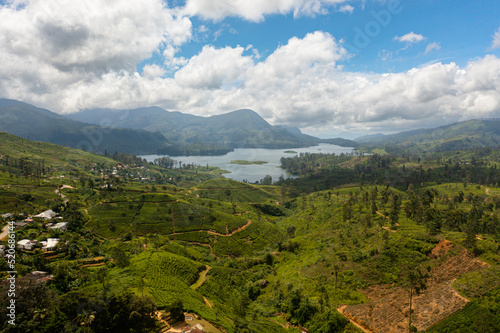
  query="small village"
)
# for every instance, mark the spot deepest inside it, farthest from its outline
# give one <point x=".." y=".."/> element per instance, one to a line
<point x="48" y="220"/>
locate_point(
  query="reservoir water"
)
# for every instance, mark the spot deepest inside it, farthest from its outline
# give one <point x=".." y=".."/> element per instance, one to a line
<point x="254" y="172"/>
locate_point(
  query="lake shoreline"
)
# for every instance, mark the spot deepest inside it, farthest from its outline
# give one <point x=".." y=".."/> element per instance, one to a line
<point x="250" y="172"/>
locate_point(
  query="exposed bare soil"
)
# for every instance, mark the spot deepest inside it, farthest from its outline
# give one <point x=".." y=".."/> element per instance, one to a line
<point x="442" y="248"/>
<point x="388" y="308"/>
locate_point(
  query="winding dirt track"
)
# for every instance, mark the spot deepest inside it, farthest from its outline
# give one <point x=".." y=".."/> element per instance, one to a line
<point x="210" y="232"/>
<point x="341" y="311"/>
<point x="202" y="279"/>
<point x="5" y="231"/>
<point x="243" y="227"/>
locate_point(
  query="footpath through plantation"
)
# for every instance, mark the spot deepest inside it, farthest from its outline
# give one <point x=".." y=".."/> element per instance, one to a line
<point x="125" y="245"/>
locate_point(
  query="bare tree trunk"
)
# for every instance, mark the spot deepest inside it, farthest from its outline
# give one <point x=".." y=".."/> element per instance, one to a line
<point x="409" y="316"/>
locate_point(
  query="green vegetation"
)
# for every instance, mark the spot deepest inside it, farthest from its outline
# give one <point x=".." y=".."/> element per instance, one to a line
<point x="290" y="152"/>
<point x="465" y="135"/>
<point x="284" y="257"/>
<point x="34" y="123"/>
<point x="219" y="134"/>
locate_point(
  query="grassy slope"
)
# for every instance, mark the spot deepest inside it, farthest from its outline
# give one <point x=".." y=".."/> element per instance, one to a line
<point x="463" y="135"/>
<point x="51" y="154"/>
<point x="365" y="254"/>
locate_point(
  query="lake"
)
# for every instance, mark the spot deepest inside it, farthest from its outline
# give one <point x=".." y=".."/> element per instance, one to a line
<point x="253" y="173"/>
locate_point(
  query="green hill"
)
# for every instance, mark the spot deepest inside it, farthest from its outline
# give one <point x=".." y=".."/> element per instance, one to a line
<point x="464" y="135"/>
<point x="237" y="129"/>
<point x="14" y="148"/>
<point x="38" y="124"/>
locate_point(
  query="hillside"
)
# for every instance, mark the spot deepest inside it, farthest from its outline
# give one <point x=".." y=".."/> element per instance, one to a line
<point x="322" y="253"/>
<point x="463" y="135"/>
<point x="13" y="148"/>
<point x="237" y="129"/>
<point x="38" y="124"/>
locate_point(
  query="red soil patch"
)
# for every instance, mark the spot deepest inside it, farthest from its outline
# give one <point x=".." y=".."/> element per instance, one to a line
<point x="207" y="302"/>
<point x="442" y="248"/>
<point x="388" y="308"/>
<point x="94" y="265"/>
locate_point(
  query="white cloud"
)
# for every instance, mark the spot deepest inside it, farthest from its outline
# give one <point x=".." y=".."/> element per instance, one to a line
<point x="346" y="9"/>
<point x="46" y="46"/>
<point x="212" y="67"/>
<point x="224" y="27"/>
<point x="299" y="56"/>
<point x="385" y="55"/>
<point x="171" y="61"/>
<point x="66" y="61"/>
<point x="152" y="71"/>
<point x="432" y="46"/>
<point x="92" y="36"/>
<point x="495" y="44"/>
<point x="410" y="37"/>
<point x="256" y="10"/>
<point x="202" y="29"/>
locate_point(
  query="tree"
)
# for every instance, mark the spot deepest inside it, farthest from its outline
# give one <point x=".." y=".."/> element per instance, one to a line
<point x="432" y="219"/>
<point x="300" y="308"/>
<point x="73" y="216"/>
<point x="267" y="180"/>
<point x="362" y="178"/>
<point x="120" y="257"/>
<point x="413" y="207"/>
<point x="176" y="310"/>
<point x="290" y="231"/>
<point x="329" y="322"/>
<point x="470" y="235"/>
<point x="336" y="270"/>
<point x="102" y="275"/>
<point x="395" y="208"/>
<point x="33" y="302"/>
<point x="414" y="282"/>
<point x="347" y="210"/>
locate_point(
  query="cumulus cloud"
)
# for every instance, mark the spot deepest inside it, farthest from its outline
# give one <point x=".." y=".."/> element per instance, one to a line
<point x="432" y="46"/>
<point x="410" y="37"/>
<point x="212" y="67"/>
<point x="66" y="61"/>
<point x="92" y="36"/>
<point x="152" y="71"/>
<point x="495" y="44"/>
<point x="46" y="45"/>
<point x="346" y="9"/>
<point x="256" y="10"/>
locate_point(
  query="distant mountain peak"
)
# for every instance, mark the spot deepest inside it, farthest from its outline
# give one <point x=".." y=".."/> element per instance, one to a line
<point x="245" y="111"/>
<point x="29" y="121"/>
<point x="242" y="113"/>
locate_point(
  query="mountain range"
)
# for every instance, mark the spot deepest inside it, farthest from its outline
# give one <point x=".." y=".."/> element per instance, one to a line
<point x="38" y="124"/>
<point x="464" y="135"/>
<point x="237" y="129"/>
<point x="151" y="130"/>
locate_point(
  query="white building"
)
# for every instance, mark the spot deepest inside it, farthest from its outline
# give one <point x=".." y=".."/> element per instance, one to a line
<point x="47" y="215"/>
<point x="50" y="244"/>
<point x="61" y="226"/>
<point x="26" y="244"/>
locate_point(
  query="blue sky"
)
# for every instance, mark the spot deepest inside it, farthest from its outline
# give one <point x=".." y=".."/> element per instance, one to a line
<point x="330" y="67"/>
<point x="463" y="30"/>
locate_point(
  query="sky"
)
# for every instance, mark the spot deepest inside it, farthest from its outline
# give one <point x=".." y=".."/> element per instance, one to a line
<point x="330" y="67"/>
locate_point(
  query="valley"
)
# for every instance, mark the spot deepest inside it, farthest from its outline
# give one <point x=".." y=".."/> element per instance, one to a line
<point x="332" y="250"/>
<point x="229" y="166"/>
